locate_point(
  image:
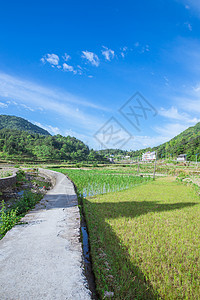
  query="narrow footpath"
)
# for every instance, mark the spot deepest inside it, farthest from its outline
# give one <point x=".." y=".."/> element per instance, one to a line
<point x="42" y="259"/>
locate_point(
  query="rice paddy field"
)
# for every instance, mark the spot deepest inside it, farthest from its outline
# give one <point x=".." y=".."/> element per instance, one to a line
<point x="144" y="235"/>
<point x="92" y="182"/>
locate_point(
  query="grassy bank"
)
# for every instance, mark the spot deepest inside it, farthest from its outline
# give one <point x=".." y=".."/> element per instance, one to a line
<point x="145" y="241"/>
<point x="12" y="212"/>
<point x="10" y="217"/>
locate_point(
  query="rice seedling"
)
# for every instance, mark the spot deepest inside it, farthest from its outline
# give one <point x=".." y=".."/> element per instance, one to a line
<point x="94" y="182"/>
<point x="144" y="238"/>
<point x="145" y="241"/>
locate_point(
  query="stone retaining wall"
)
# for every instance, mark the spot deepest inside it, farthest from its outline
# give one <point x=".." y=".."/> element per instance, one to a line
<point x="51" y="175"/>
<point x="7" y="181"/>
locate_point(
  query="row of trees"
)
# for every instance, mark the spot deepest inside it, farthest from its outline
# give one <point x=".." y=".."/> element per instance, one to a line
<point x="21" y="143"/>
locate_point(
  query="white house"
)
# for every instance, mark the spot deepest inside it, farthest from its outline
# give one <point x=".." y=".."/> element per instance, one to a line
<point x="182" y="157"/>
<point x="111" y="159"/>
<point x="149" y="156"/>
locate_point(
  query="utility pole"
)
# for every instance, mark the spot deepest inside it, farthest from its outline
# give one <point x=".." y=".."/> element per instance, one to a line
<point x="154" y="172"/>
<point x="138" y="169"/>
<point x="196" y="161"/>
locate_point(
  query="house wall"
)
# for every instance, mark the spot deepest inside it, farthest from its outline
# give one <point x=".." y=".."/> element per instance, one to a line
<point x="181" y="159"/>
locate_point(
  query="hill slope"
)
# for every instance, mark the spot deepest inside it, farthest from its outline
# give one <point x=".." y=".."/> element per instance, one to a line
<point x="22" y="141"/>
<point x="17" y="123"/>
<point x="187" y="142"/>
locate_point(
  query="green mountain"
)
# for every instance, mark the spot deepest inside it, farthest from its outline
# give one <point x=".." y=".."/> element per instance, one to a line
<point x="22" y="141"/>
<point x="187" y="142"/>
<point x="12" y="122"/>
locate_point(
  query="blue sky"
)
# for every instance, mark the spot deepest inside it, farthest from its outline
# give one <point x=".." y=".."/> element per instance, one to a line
<point x="70" y="66"/>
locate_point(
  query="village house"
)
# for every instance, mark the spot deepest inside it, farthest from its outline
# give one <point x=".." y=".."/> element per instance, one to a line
<point x="182" y="158"/>
<point x="149" y="156"/>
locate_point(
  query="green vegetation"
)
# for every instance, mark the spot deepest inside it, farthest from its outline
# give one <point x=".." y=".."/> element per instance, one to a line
<point x="26" y="202"/>
<point x="187" y="142"/>
<point x="17" y="123"/>
<point x="4" y="174"/>
<point x="92" y="182"/>
<point x="145" y="169"/>
<point x="8" y="218"/>
<point x="145" y="241"/>
<point x="12" y="213"/>
<point x="23" y="146"/>
<point x="22" y="141"/>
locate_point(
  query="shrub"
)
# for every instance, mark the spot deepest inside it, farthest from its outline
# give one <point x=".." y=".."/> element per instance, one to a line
<point x="26" y="202"/>
<point x="8" y="219"/>
<point x="20" y="176"/>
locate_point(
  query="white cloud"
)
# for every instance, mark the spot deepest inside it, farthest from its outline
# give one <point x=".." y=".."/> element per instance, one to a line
<point x="108" y="53"/>
<point x="124" y="48"/>
<point x="141" y="142"/>
<point x="48" y="99"/>
<point x="66" y="57"/>
<point x="166" y="81"/>
<point x="141" y="48"/>
<point x="123" y="51"/>
<point x="83" y="137"/>
<point x="191" y="4"/>
<point x="189" y="100"/>
<point x="79" y="70"/>
<point x="172" y="113"/>
<point x="189" y="58"/>
<point x="49" y="128"/>
<point x="170" y="130"/>
<point x="3" y="105"/>
<point x="24" y="106"/>
<point x="53" y="59"/>
<point x="69" y="68"/>
<point x="27" y="107"/>
<point x="188" y="25"/>
<point x="191" y="104"/>
<point x="91" y="57"/>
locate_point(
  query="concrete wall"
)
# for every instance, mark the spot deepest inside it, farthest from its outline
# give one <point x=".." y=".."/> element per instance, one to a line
<point x="7" y="181"/>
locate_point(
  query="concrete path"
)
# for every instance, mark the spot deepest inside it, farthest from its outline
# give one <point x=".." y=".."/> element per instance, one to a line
<point x="43" y="258"/>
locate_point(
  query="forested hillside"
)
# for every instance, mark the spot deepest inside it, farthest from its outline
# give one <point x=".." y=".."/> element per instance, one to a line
<point x="187" y="142"/>
<point x="23" y="145"/>
<point x="13" y="122"/>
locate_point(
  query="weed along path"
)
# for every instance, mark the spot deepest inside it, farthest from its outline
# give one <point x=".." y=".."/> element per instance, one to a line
<point x="42" y="259"/>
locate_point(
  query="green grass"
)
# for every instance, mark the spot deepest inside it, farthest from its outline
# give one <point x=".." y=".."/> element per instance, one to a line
<point x="10" y="216"/>
<point x="92" y="182"/>
<point x="132" y="169"/>
<point x="145" y="241"/>
<point x="4" y="174"/>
